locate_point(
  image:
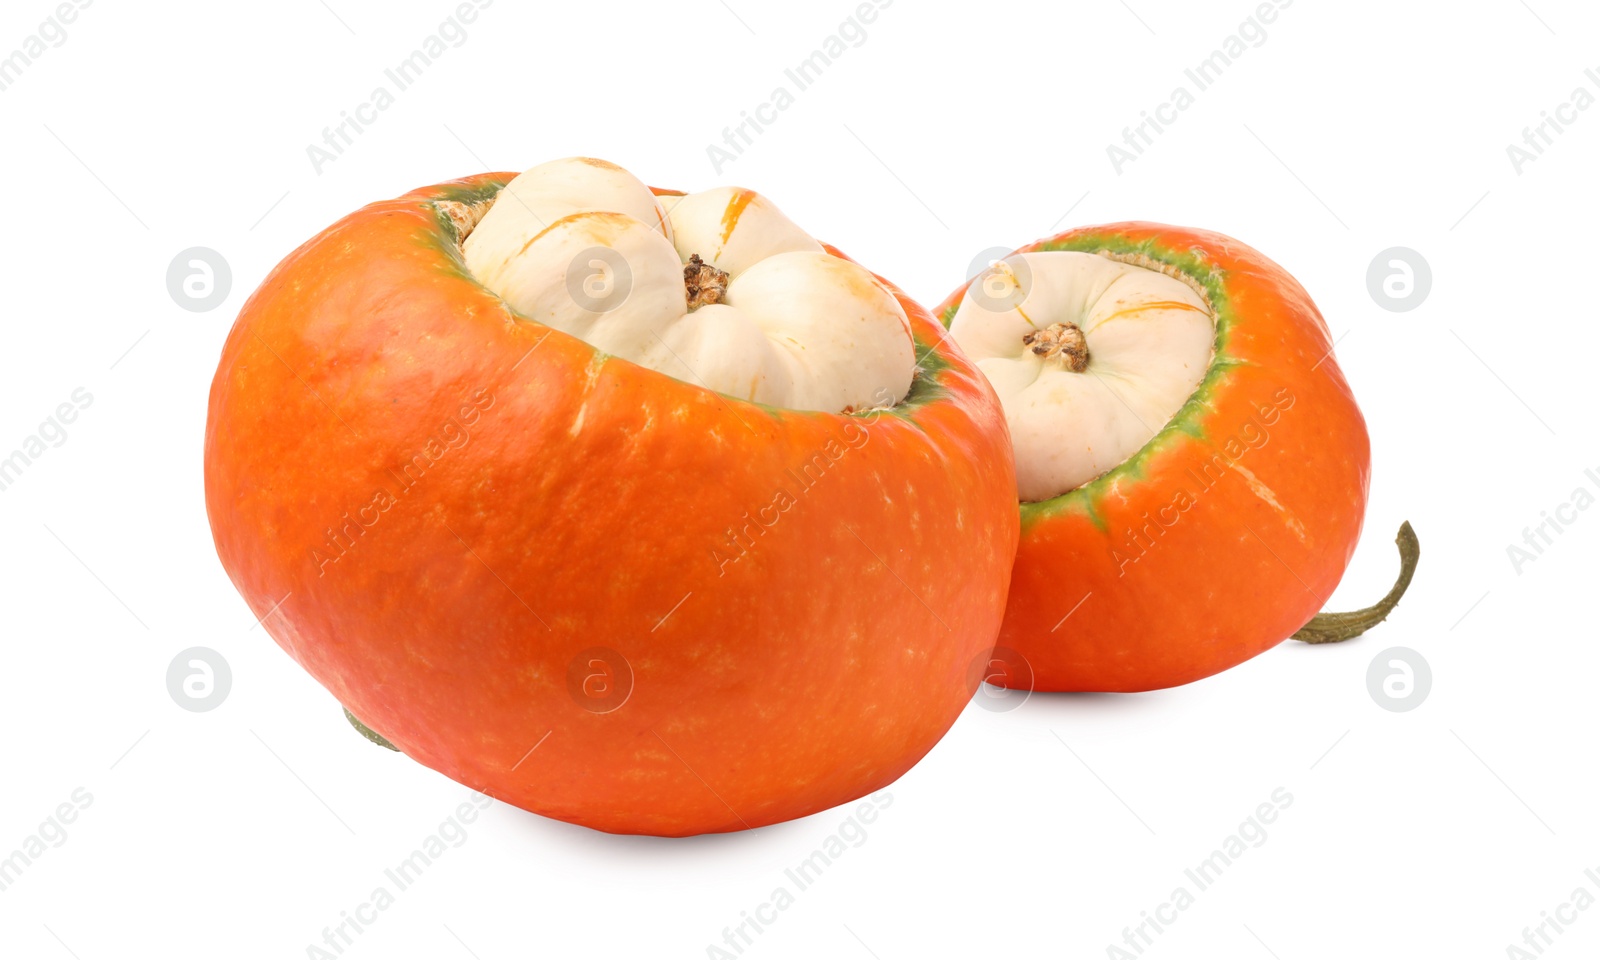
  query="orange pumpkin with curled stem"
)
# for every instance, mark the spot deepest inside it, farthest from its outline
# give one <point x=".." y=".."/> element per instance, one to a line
<point x="1192" y="466"/>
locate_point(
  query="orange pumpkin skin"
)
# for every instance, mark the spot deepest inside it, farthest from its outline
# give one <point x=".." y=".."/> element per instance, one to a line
<point x="1231" y="528"/>
<point x="455" y="505"/>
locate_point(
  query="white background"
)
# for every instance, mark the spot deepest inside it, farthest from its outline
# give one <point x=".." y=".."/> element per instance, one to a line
<point x="1044" y="831"/>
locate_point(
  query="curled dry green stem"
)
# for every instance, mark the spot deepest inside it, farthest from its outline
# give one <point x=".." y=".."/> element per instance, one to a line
<point x="1334" y="627"/>
<point x="367" y="732"/>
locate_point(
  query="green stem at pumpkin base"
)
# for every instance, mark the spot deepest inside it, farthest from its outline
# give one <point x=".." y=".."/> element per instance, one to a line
<point x="367" y="732"/>
<point x="1335" y="627"/>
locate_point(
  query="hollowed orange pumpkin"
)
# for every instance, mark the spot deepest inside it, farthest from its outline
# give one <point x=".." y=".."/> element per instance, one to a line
<point x="581" y="586"/>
